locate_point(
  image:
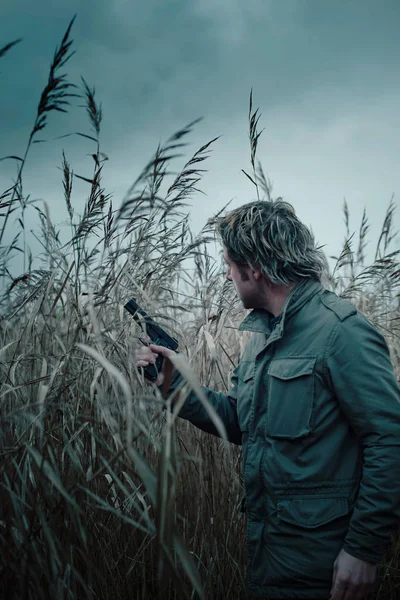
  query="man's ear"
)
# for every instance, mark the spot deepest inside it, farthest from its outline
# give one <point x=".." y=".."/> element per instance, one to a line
<point x="257" y="274"/>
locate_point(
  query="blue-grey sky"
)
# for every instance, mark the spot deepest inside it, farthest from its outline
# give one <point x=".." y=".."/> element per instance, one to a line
<point x="325" y="76"/>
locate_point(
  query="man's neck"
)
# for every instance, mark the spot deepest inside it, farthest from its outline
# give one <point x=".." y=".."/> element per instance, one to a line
<point x="277" y="297"/>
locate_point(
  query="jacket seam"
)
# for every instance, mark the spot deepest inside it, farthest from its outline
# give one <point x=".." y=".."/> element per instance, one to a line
<point x="329" y="345"/>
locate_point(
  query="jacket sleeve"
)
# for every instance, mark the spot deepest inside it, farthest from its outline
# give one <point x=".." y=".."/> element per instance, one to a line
<point x="224" y="405"/>
<point x="365" y="385"/>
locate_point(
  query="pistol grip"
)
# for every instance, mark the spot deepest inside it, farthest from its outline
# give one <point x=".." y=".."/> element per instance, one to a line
<point x="151" y="371"/>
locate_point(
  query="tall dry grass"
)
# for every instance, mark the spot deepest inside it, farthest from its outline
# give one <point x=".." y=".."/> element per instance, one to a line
<point x="103" y="494"/>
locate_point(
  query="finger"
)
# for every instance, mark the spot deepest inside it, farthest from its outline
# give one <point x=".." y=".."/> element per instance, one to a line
<point x="353" y="593"/>
<point x="338" y="594"/>
<point x="161" y="350"/>
<point x="144" y="357"/>
<point x="338" y="591"/>
<point x="142" y="363"/>
<point x="145" y="363"/>
<point x="362" y="592"/>
<point x="158" y="350"/>
<point x="370" y="587"/>
<point x="144" y="352"/>
<point x="333" y="588"/>
<point x="335" y="570"/>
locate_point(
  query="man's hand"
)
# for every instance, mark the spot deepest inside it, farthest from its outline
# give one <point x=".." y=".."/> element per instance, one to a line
<point x="148" y="354"/>
<point x="353" y="579"/>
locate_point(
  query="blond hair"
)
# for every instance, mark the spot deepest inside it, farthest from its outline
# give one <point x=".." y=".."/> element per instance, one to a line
<point x="268" y="235"/>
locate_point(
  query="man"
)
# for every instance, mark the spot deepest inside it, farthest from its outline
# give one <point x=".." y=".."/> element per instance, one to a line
<point x="316" y="406"/>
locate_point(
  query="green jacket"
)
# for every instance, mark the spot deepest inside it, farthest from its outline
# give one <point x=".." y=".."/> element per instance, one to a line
<point x="316" y="407"/>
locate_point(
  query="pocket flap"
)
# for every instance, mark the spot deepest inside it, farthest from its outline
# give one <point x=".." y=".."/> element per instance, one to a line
<point x="312" y="512"/>
<point x="288" y="368"/>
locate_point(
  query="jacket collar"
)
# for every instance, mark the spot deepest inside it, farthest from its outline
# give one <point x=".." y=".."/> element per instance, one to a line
<point x="258" y="319"/>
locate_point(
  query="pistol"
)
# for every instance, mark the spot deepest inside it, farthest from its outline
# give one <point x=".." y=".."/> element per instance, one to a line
<point x="155" y="332"/>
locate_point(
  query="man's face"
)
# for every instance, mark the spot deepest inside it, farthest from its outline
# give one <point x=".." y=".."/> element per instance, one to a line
<point x="246" y="284"/>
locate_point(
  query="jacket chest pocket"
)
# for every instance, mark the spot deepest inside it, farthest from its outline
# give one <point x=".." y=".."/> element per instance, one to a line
<point x="290" y="397"/>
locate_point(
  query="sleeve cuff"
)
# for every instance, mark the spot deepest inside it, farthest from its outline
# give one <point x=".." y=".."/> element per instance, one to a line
<point x="367" y="547"/>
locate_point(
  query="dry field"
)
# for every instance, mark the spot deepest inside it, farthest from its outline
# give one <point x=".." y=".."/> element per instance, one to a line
<point x="103" y="494"/>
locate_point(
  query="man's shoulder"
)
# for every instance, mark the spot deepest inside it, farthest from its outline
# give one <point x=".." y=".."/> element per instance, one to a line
<point x="340" y="307"/>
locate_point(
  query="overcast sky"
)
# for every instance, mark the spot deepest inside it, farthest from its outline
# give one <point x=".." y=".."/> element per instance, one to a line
<point x="325" y="75"/>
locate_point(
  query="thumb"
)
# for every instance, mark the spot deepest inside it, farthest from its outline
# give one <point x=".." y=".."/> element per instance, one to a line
<point x="334" y="587"/>
<point x="166" y="352"/>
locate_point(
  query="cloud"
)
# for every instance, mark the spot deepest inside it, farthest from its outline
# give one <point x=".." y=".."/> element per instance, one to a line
<point x="232" y="18"/>
<point x="325" y="77"/>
